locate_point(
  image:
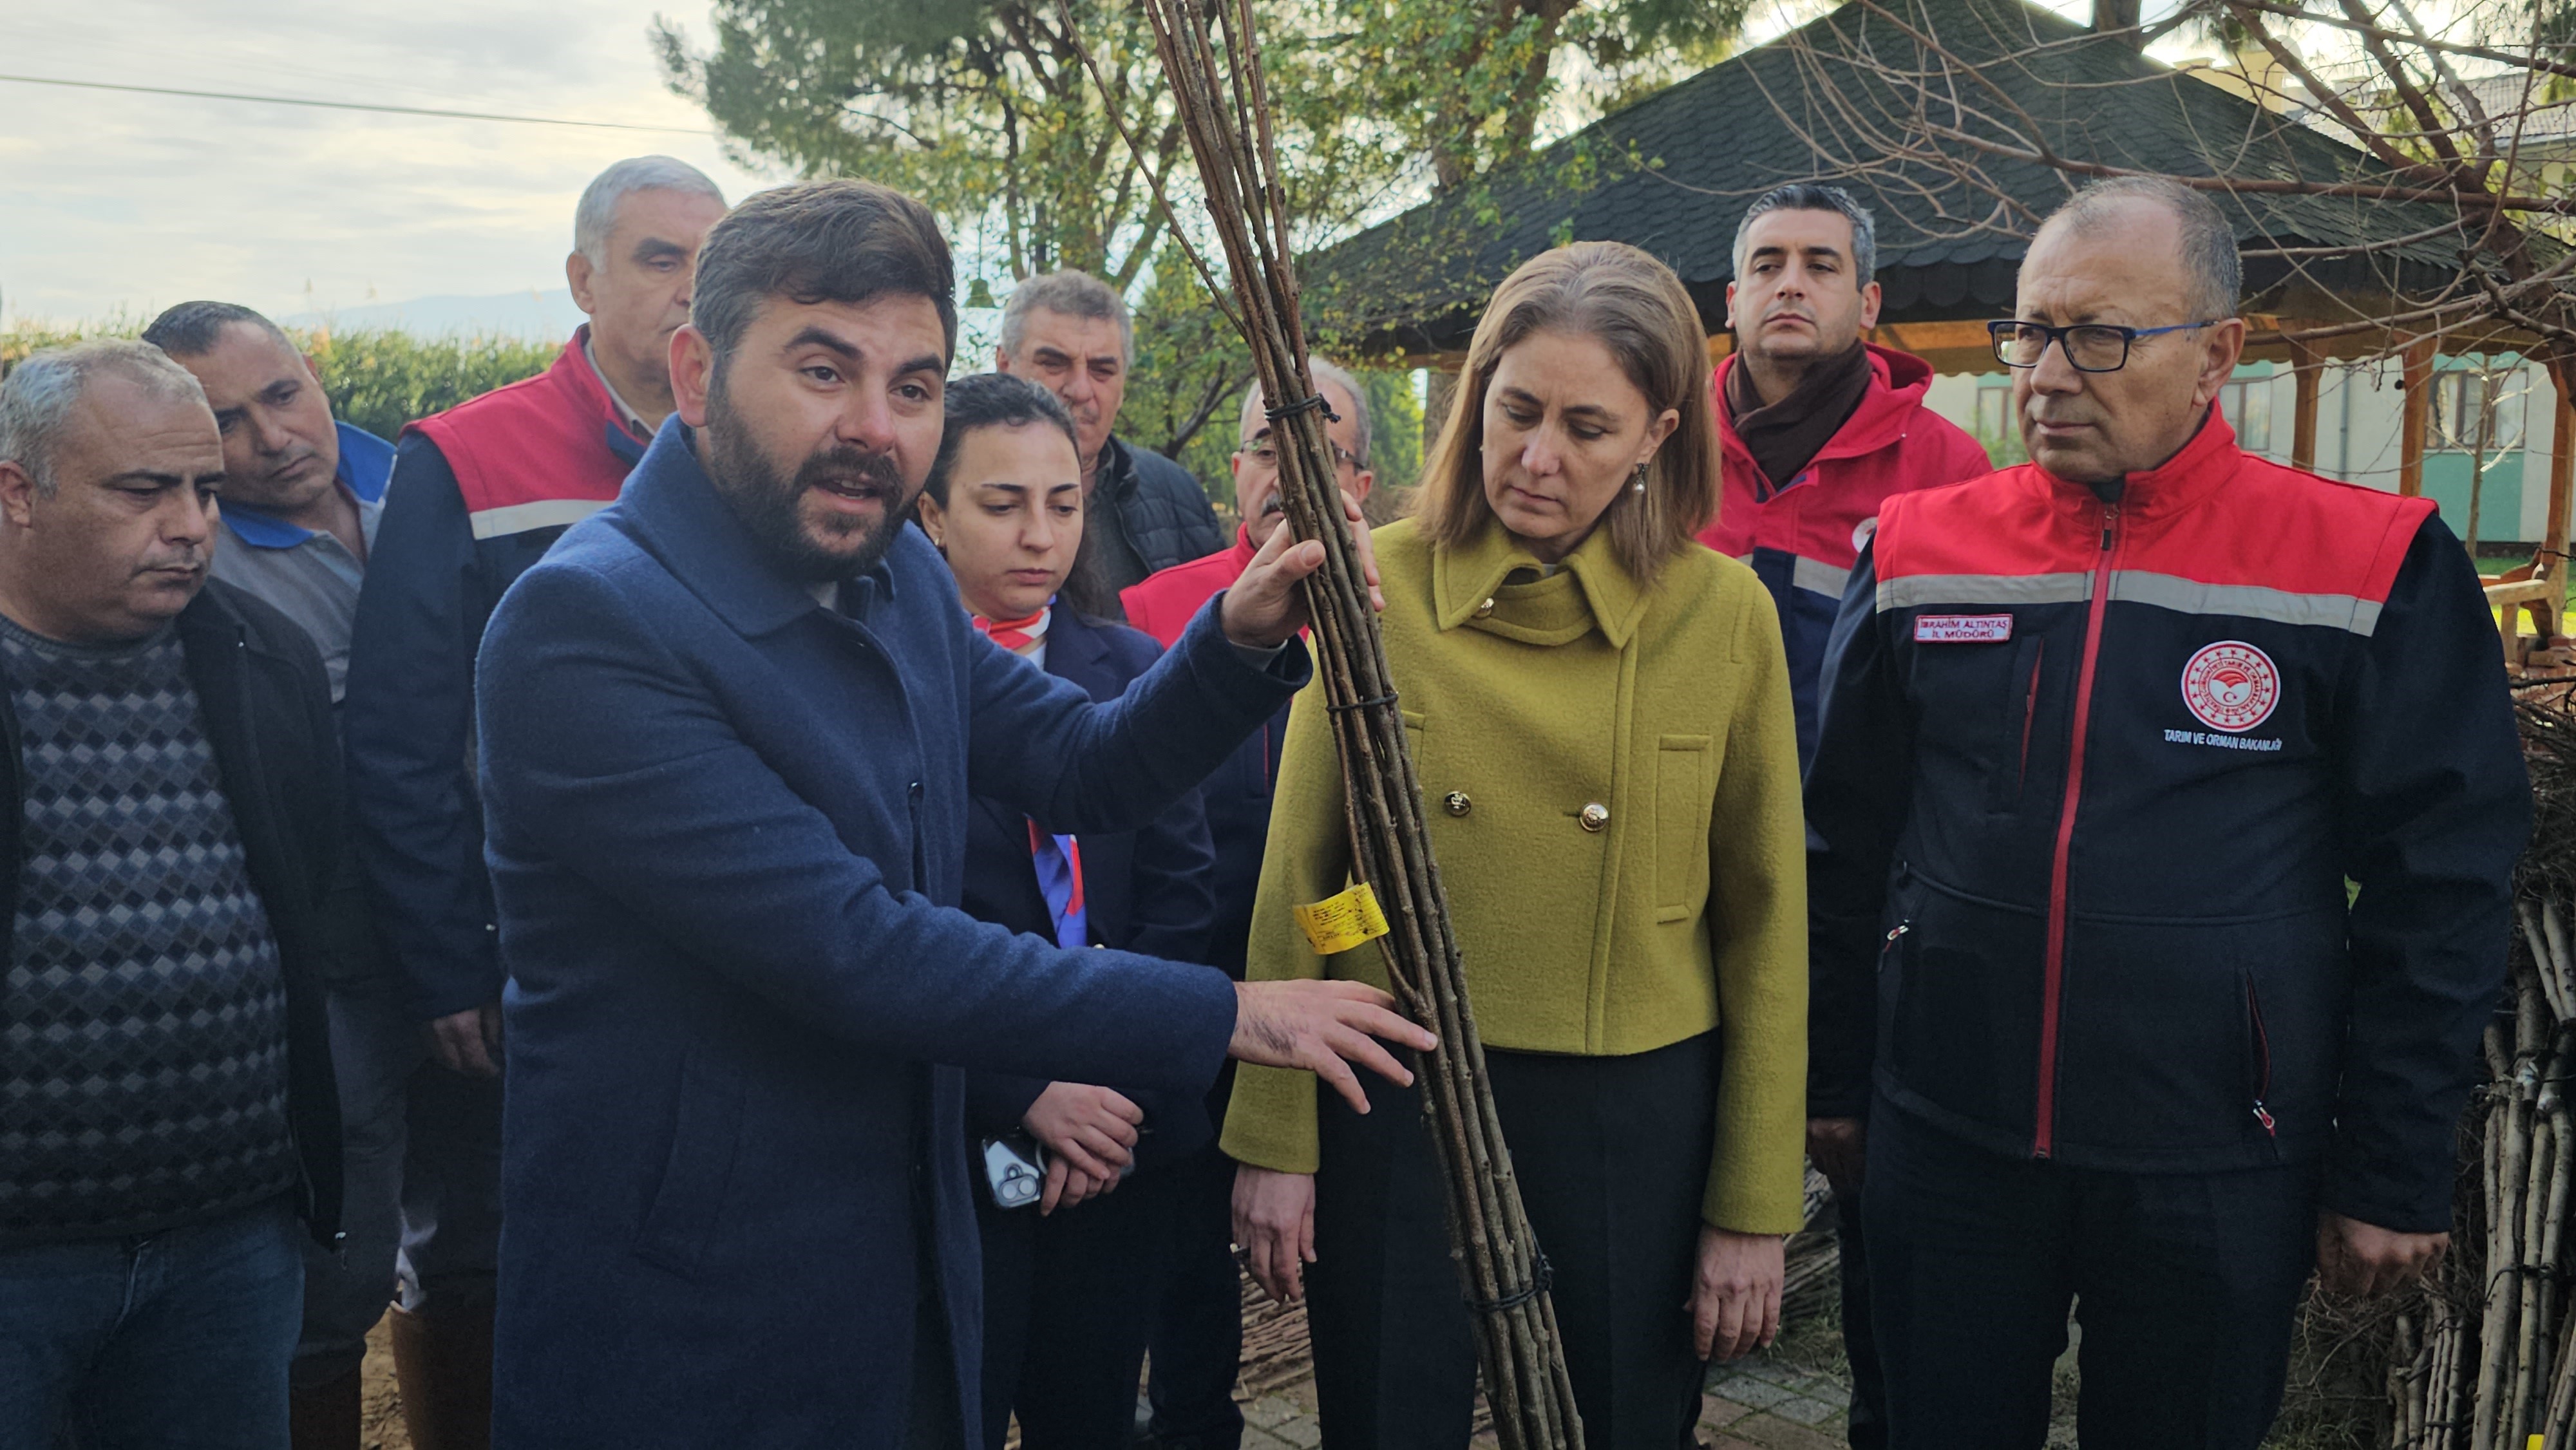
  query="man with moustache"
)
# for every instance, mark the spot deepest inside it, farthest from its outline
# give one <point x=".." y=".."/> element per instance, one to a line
<point x="731" y="729"/>
<point x="302" y="496"/>
<point x="2106" y="735"/>
<point x="1070" y="333"/>
<point x="1198" y="1345"/>
<point x="1816" y="430"/>
<point x="479" y="493"/>
<point x="302" y="492"/>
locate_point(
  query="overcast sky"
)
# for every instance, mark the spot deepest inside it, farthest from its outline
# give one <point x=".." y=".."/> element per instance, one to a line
<point x="111" y="200"/>
<point x="114" y="201"/>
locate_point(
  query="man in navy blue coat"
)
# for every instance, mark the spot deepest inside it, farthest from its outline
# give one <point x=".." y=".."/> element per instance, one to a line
<point x="730" y="731"/>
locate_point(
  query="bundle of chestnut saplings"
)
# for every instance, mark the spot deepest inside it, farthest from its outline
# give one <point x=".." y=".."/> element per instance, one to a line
<point x="2485" y="1358"/>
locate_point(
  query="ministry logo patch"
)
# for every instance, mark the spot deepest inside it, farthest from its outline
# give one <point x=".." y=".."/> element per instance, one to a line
<point x="2231" y="686"/>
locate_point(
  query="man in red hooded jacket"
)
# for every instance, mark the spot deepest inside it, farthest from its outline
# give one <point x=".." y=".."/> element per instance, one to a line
<point x="1816" y="429"/>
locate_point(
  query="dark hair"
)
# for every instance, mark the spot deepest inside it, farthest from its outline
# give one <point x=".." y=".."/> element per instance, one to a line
<point x="192" y="329"/>
<point x="1815" y="196"/>
<point x="999" y="400"/>
<point x="819" y="241"/>
<point x="991" y="400"/>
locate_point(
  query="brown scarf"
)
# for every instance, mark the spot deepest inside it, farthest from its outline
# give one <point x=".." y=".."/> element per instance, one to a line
<point x="1786" y="436"/>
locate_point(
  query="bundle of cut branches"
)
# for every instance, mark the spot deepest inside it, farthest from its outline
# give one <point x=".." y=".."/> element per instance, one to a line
<point x="2488" y="1358"/>
<point x="1211" y="57"/>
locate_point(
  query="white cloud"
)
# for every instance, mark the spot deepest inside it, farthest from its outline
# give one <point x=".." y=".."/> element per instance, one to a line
<point x="114" y="201"/>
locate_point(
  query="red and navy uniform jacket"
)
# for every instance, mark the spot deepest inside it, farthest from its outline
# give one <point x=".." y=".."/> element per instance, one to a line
<point x="1802" y="537"/>
<point x="1238" y="796"/>
<point x="478" y="494"/>
<point x="2092" y="778"/>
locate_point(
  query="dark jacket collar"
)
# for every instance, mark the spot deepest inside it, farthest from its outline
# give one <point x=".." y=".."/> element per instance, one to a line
<point x="1117" y="473"/>
<point x="1074" y="646"/>
<point x="674" y="511"/>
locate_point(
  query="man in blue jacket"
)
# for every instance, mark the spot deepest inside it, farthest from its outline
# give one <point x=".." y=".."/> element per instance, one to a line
<point x="730" y="730"/>
<point x="2106" y="736"/>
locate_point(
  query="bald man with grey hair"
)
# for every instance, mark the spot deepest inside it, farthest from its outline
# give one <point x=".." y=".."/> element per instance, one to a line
<point x="1345" y="390"/>
<point x="1198" y="1340"/>
<point x="167" y="1112"/>
<point x="2106" y="736"/>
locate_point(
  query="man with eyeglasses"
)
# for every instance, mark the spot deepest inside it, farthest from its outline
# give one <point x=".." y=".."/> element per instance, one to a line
<point x="2106" y="736"/>
<point x="1197" y="1345"/>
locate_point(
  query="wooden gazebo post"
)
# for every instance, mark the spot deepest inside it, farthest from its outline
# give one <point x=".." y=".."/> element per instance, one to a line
<point x="2305" y="366"/>
<point x="2562" y="491"/>
<point x="2419" y="406"/>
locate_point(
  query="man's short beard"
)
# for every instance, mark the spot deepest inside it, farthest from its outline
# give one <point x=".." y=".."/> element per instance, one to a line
<point x="769" y="503"/>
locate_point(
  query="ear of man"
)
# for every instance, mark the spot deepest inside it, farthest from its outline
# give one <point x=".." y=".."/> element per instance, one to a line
<point x="17" y="493"/>
<point x="578" y="273"/>
<point x="693" y="371"/>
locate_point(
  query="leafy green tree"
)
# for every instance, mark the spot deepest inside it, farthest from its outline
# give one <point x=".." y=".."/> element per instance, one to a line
<point x="1468" y="87"/>
<point x="987" y="110"/>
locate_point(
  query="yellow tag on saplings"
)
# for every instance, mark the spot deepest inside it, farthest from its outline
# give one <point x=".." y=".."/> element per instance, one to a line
<point x="1339" y="923"/>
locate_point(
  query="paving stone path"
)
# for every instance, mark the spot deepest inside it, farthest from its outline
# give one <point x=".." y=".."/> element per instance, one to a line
<point x="1763" y="1402"/>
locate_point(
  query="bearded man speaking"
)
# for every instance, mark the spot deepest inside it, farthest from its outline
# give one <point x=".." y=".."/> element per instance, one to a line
<point x="730" y="731"/>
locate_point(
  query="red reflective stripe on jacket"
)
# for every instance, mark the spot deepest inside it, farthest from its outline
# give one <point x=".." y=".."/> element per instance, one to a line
<point x="2022" y="525"/>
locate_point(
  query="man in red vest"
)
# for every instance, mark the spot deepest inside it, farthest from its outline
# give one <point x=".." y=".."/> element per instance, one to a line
<point x="478" y="494"/>
<point x="1162" y="604"/>
<point x="1199" y="1341"/>
<point x="2161" y="833"/>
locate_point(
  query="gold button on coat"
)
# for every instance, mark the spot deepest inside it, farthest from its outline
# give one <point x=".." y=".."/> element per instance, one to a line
<point x="1594" y="816"/>
<point x="1485" y="608"/>
<point x="1458" y="803"/>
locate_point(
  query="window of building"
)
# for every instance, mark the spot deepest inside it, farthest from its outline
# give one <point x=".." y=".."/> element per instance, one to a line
<point x="2247" y="405"/>
<point x="2477" y="410"/>
<point x="1994" y="410"/>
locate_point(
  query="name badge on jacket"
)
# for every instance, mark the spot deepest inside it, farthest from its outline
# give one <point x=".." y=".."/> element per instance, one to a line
<point x="1962" y="628"/>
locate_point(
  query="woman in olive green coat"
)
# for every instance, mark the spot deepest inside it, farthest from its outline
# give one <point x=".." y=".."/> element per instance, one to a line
<point x="1601" y="716"/>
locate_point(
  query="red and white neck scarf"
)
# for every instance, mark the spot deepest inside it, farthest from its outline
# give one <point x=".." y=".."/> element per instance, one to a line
<point x="1019" y="636"/>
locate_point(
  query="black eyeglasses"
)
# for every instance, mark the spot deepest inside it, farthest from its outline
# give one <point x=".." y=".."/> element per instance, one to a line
<point x="2091" y="347"/>
<point x="1260" y="451"/>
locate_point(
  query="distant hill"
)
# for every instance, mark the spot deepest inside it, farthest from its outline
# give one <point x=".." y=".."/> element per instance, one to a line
<point x="546" y="316"/>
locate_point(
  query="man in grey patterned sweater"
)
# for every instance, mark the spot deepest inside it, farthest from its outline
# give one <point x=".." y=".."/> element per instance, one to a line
<point x="168" y="821"/>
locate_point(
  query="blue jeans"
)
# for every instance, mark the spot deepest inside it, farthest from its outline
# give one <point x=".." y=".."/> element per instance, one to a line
<point x="175" y="1341"/>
